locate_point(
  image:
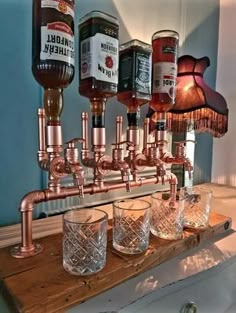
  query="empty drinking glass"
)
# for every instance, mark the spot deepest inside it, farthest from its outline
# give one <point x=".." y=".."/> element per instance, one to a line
<point x="197" y="206"/>
<point x="84" y="241"/>
<point x="167" y="216"/>
<point x="131" y="225"/>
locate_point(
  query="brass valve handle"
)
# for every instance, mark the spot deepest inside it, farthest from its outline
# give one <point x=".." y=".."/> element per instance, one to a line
<point x="161" y="141"/>
<point x="71" y="152"/>
<point x="71" y="143"/>
<point x="180" y="143"/>
<point x="129" y="143"/>
<point x="180" y="147"/>
<point x="158" y="142"/>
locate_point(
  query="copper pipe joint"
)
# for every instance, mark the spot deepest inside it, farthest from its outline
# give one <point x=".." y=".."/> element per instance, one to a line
<point x="133" y="135"/>
<point x="54" y="136"/>
<point x="98" y="139"/>
<point x="160" y="135"/>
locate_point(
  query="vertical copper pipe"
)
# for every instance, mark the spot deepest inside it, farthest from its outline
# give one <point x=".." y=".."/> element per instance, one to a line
<point x="41" y="129"/>
<point x="84" y="117"/>
<point x="26" y="231"/>
<point x="146" y="132"/>
<point x="119" y="121"/>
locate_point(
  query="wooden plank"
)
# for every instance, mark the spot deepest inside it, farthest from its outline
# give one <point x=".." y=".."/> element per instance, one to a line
<point x="10" y="266"/>
<point x="45" y="287"/>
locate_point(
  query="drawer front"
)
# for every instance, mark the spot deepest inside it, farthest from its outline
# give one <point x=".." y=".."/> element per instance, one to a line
<point x="212" y="292"/>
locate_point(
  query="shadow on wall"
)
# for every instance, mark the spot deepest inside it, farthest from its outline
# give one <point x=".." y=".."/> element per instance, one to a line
<point x="224" y="152"/>
<point x="203" y="41"/>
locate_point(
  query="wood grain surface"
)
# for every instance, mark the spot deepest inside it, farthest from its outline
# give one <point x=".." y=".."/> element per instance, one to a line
<point x="40" y="284"/>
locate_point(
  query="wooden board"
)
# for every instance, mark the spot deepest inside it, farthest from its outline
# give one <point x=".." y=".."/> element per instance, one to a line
<point x="40" y="284"/>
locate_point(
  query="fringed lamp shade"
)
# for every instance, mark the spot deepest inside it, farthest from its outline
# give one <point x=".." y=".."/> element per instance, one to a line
<point x="197" y="106"/>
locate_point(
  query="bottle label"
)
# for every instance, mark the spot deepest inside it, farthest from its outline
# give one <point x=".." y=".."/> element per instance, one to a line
<point x="164" y="78"/>
<point x="126" y="80"/>
<point x="58" y="5"/>
<point x="57" y="43"/>
<point x="169" y="49"/>
<point x="161" y="125"/>
<point x="143" y="73"/>
<point x="99" y="58"/>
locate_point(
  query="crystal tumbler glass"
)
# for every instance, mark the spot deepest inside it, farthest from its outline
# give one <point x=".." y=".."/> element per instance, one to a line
<point x="167" y="216"/>
<point x="84" y="241"/>
<point x="131" y="225"/>
<point x="197" y="206"/>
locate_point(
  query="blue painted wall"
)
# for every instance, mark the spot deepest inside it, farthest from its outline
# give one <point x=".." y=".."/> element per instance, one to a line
<point x="20" y="95"/>
<point x="19" y="100"/>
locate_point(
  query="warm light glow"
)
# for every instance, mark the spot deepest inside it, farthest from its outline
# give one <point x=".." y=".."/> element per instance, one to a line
<point x="197" y="106"/>
<point x="187" y="87"/>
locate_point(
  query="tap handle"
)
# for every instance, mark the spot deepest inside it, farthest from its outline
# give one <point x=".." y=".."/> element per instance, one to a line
<point x="183" y="142"/>
<point x="161" y="142"/>
<point x="180" y="147"/>
<point x="157" y="143"/>
<point x="129" y="143"/>
<point x="71" y="143"/>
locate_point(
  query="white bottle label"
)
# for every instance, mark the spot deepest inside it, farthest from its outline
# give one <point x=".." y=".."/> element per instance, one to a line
<point x="57" y="43"/>
<point x="164" y="78"/>
<point x="100" y="58"/>
<point x="58" y="5"/>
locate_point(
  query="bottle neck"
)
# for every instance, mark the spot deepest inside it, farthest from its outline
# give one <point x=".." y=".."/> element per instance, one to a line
<point x="53" y="105"/>
<point x="98" y="107"/>
<point x="133" y="117"/>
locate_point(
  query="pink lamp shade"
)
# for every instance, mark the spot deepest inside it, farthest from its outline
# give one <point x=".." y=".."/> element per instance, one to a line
<point x="197" y="106"/>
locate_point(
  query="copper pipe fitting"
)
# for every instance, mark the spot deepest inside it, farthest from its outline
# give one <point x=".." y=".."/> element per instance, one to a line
<point x="54" y="137"/>
<point x="119" y="121"/>
<point x="98" y="139"/>
<point x="133" y="135"/>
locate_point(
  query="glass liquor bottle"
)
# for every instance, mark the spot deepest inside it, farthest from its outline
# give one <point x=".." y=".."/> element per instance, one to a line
<point x="134" y="89"/>
<point x="164" y="69"/>
<point x="98" y="61"/>
<point x="53" y="51"/>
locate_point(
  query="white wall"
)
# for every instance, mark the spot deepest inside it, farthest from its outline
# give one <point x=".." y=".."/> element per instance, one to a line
<point x="224" y="149"/>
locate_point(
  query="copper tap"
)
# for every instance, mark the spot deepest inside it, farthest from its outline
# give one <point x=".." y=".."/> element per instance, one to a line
<point x="180" y="156"/>
<point x="50" y="159"/>
<point x="72" y="164"/>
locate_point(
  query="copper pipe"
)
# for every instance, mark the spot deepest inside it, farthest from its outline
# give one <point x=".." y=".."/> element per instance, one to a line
<point x="43" y="158"/>
<point x="145" y="134"/>
<point x="98" y="136"/>
<point x="119" y="121"/>
<point x="27" y="248"/>
<point x="173" y="186"/>
<point x="54" y="138"/>
<point x="84" y="118"/>
<point x="26" y="228"/>
<point x="42" y="130"/>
